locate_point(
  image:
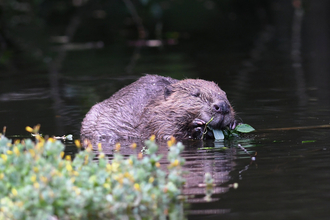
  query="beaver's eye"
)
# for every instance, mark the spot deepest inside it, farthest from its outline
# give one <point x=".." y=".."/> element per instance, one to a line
<point x="196" y="93"/>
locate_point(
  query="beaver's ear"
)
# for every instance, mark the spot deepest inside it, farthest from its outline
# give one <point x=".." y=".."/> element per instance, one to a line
<point x="168" y="90"/>
<point x="196" y="92"/>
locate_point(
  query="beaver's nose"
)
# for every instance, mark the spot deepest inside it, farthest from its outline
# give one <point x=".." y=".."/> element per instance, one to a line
<point x="221" y="107"/>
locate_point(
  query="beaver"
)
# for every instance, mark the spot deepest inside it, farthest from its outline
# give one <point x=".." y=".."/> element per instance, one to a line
<point x="160" y="106"/>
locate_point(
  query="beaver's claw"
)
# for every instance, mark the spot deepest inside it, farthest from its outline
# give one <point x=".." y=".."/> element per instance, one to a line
<point x="197" y="126"/>
<point x="198" y="123"/>
<point x="233" y="124"/>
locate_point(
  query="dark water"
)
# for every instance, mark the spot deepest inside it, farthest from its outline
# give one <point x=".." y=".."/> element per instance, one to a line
<point x="272" y="84"/>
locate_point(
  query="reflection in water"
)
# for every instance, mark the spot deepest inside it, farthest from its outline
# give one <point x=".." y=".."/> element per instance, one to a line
<point x="214" y="157"/>
<point x="317" y="44"/>
<point x="27" y="94"/>
<point x="296" y="53"/>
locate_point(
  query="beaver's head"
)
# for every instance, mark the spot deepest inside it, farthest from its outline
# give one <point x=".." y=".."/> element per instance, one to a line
<point x="185" y="109"/>
<point x="196" y="98"/>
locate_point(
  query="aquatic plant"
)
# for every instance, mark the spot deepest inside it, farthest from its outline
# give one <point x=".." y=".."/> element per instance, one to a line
<point x="241" y="128"/>
<point x="228" y="133"/>
<point x="36" y="182"/>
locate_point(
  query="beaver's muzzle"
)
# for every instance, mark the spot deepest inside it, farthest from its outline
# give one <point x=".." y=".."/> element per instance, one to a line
<point x="221" y="107"/>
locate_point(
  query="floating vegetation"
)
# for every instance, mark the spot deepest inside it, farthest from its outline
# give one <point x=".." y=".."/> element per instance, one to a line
<point x="228" y="133"/>
<point x="37" y="183"/>
<point x="308" y="141"/>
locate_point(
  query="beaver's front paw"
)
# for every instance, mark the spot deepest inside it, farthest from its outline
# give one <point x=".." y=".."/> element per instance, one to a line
<point x="197" y="128"/>
<point x="233" y="124"/>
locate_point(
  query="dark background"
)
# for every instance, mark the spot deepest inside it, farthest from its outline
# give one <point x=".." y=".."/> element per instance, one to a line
<point x="58" y="58"/>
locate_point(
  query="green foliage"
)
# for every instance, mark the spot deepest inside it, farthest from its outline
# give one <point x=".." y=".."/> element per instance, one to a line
<point x="228" y="133"/>
<point x="241" y="128"/>
<point x="37" y="183"/>
<point x="244" y="128"/>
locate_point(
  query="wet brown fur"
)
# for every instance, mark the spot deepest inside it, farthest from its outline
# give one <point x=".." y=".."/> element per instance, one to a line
<point x="157" y="105"/>
<point x="183" y="102"/>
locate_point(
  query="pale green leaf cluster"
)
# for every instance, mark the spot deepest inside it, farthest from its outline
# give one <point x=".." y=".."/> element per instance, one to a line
<point x="37" y="183"/>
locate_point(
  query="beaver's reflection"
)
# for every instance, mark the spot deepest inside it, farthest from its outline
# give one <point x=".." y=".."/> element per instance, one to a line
<point x="204" y="158"/>
<point x="216" y="158"/>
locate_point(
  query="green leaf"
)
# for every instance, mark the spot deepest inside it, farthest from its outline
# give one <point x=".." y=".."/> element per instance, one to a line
<point x="244" y="128"/>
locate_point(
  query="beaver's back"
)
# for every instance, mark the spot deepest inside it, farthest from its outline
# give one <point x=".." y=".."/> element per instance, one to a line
<point x="118" y="116"/>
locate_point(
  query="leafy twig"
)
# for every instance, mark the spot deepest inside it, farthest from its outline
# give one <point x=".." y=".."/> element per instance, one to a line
<point x="205" y="128"/>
